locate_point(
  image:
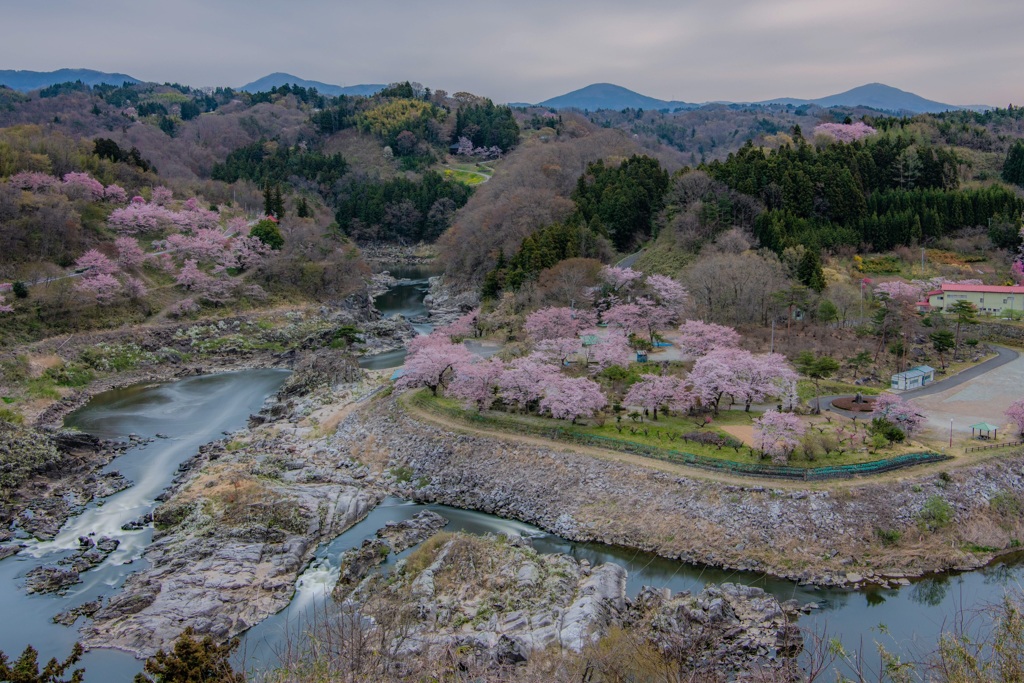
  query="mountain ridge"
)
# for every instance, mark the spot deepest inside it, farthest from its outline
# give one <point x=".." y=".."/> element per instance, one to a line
<point x="27" y="80"/>
<point x="279" y="78"/>
<point x="873" y="95"/>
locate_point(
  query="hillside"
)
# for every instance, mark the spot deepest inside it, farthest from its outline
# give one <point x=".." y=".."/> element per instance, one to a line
<point x="276" y="80"/>
<point x="27" y="81"/>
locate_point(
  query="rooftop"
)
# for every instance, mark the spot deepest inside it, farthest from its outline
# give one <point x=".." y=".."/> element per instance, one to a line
<point x="984" y="289"/>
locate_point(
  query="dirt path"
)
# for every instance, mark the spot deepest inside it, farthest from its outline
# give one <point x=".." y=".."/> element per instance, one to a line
<point x="916" y="472"/>
<point x="744" y="433"/>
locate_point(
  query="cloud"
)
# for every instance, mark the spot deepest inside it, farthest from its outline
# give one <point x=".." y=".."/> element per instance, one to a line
<point x="695" y="50"/>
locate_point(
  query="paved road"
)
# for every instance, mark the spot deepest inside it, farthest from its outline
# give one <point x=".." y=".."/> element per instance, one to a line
<point x="1006" y="355"/>
<point x="629" y="260"/>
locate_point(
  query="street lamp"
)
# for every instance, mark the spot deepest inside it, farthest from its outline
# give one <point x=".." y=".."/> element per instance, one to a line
<point x="950" y="432"/>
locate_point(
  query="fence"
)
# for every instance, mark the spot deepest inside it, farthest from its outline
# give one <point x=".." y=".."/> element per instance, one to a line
<point x="990" y="446"/>
<point x="423" y="401"/>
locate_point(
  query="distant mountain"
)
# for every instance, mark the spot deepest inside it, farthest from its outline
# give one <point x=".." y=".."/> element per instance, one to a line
<point x="276" y="80"/>
<point x="877" y="96"/>
<point x="34" y="80"/>
<point x="610" y="96"/>
<point x="873" y="95"/>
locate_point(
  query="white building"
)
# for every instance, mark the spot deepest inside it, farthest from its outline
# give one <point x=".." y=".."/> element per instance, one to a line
<point x="914" y="378"/>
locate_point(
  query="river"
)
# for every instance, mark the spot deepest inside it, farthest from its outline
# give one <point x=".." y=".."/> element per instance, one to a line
<point x="405" y="299"/>
<point x="198" y="410"/>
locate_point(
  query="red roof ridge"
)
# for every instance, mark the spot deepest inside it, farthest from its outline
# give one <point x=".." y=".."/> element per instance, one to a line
<point x="992" y="289"/>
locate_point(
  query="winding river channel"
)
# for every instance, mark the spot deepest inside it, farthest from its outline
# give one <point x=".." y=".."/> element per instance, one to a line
<point x="197" y="410"/>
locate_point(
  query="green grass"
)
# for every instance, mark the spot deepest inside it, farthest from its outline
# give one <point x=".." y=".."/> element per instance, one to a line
<point x="805" y="389"/>
<point x="663" y="434"/>
<point x="464" y="177"/>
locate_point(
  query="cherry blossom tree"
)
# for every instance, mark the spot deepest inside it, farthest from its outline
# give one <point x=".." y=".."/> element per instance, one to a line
<point x="778" y="434"/>
<point x="5" y="307"/>
<point x="845" y="132"/>
<point x="477" y="383"/>
<point x="34" y="181"/>
<point x="746" y="377"/>
<point x="570" y="398"/>
<point x="462" y="327"/>
<point x="1017" y="271"/>
<point x="134" y="287"/>
<point x="1016" y="413"/>
<point x="642" y="317"/>
<point x="162" y="195"/>
<point x="899" y="291"/>
<point x="138" y="217"/>
<point x="82" y="186"/>
<point x="697" y="338"/>
<point x="115" y="194"/>
<point x="656" y="391"/>
<point x="94" y="262"/>
<point x="904" y="414"/>
<point x="522" y="381"/>
<point x="667" y="292"/>
<point x="612" y="349"/>
<point x="129" y="254"/>
<point x="558" y="351"/>
<point x="247" y="252"/>
<point x="431" y="361"/>
<point x="206" y="245"/>
<point x="553" y="322"/>
<point x="183" y="308"/>
<point x="103" y="287"/>
<point x="619" y="278"/>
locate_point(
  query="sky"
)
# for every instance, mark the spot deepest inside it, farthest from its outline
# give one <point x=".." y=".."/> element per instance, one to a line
<point x="527" y="51"/>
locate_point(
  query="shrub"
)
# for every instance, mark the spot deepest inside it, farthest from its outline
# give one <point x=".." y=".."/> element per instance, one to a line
<point x="889" y="537"/>
<point x="935" y="514"/>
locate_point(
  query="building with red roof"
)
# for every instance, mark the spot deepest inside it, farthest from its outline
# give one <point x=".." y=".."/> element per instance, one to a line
<point x="988" y="299"/>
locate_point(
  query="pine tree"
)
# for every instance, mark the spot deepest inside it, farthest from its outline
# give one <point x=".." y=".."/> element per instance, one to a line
<point x="1013" y="168"/>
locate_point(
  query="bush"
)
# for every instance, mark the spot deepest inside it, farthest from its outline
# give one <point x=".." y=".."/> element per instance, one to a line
<point x="882" y="427"/>
<point x="889" y="537"/>
<point x="20" y="289"/>
<point x="935" y="514"/>
<point x="193" y="660"/>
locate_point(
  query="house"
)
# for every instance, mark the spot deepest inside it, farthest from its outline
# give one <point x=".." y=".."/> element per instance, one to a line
<point x="988" y="299"/>
<point x="914" y="378"/>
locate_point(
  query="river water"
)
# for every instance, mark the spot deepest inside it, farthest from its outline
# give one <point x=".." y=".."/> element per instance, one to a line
<point x="405" y="299"/>
<point x="197" y="410"/>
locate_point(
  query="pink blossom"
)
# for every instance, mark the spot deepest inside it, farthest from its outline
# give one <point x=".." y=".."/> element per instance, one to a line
<point x="617" y="278"/>
<point x="522" y="381"/>
<point x="1017" y="271"/>
<point x="82" y="186"/>
<point x="183" y="308"/>
<point x="115" y="194"/>
<point x="667" y="291"/>
<point x="34" y="182"/>
<point x="5" y="307"/>
<point x="129" y="254"/>
<point x="654" y="391"/>
<point x="558" y="350"/>
<point x="901" y="413"/>
<point x="94" y="262"/>
<point x="477" y="383"/>
<point x="102" y="286"/>
<point x="205" y="246"/>
<point x="430" y="363"/>
<point x="899" y="291"/>
<point x="138" y="200"/>
<point x="697" y="338"/>
<point x="778" y="434"/>
<point x="642" y="317"/>
<point x="134" y="287"/>
<point x="162" y="195"/>
<point x="845" y="132"/>
<point x="569" y="398"/>
<point x="1016" y="413"/>
<point x="138" y="217"/>
<point x="552" y="322"/>
<point x="612" y="349"/>
<point x="745" y="377"/>
<point x="248" y="252"/>
<point x="462" y="327"/>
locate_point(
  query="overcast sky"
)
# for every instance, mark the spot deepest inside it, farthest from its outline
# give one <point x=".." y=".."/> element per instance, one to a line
<point x="693" y="50"/>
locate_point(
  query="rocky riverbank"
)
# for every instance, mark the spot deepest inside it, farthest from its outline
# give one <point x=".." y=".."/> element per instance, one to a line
<point x="496" y="602"/>
<point x="243" y="519"/>
<point x="870" y="532"/>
